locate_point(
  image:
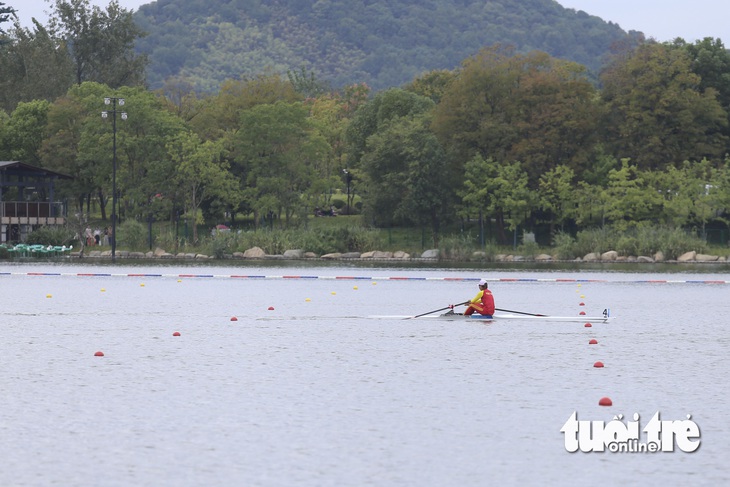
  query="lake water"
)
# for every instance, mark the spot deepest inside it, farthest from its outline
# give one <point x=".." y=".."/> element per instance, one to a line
<point x="315" y="393"/>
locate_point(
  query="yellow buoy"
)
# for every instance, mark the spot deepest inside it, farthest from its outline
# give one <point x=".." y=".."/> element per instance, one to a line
<point x="307" y="300"/>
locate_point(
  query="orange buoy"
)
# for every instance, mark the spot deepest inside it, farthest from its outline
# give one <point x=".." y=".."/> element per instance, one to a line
<point x="99" y="354"/>
<point x="587" y="325"/>
<point x="598" y="364"/>
<point x="593" y="341"/>
<point x="176" y="334"/>
<point x="233" y="318"/>
<point x="605" y="401"/>
<point x="271" y="308"/>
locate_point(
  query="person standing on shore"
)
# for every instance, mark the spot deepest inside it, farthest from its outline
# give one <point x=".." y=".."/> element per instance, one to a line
<point x="483" y="302"/>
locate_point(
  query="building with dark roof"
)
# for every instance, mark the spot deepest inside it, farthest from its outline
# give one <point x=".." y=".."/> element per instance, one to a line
<point x="28" y="200"/>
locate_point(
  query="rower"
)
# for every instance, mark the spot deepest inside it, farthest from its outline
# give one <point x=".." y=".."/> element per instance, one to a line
<point x="483" y="302"/>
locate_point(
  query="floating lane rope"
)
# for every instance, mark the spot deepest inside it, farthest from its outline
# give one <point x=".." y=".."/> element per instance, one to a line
<point x="366" y="278"/>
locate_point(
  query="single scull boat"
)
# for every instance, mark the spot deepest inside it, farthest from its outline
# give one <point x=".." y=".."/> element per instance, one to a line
<point x="502" y="316"/>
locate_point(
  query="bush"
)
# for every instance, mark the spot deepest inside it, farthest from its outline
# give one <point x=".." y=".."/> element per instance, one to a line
<point x="51" y="235"/>
<point x="132" y="234"/>
<point x="564" y="244"/>
<point x="457" y="247"/>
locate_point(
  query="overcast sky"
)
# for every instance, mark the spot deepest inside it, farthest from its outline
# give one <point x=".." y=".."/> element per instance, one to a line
<point x="661" y="19"/>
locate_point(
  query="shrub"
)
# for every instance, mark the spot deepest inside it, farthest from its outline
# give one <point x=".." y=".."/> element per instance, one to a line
<point x="50" y="235"/>
<point x="457" y="247"/>
<point x="564" y="246"/>
<point x="132" y="234"/>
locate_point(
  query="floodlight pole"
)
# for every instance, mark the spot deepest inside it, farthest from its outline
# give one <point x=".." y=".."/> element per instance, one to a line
<point x="113" y="101"/>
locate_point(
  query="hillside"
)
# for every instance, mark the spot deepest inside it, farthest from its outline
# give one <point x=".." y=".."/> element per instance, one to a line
<point x="381" y="42"/>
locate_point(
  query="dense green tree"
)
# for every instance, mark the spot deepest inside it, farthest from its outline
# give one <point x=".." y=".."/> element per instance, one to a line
<point x="499" y="191"/>
<point x="555" y="195"/>
<point x="672" y="186"/>
<point x="80" y="144"/>
<point x="200" y="173"/>
<point x="306" y="83"/>
<point x="384" y="107"/>
<point x="657" y="115"/>
<point x="25" y="130"/>
<point x="221" y="113"/>
<point x="406" y="170"/>
<point x="711" y="62"/>
<point x="70" y="119"/>
<point x="591" y="201"/>
<point x="6" y="13"/>
<point x="432" y="84"/>
<point x="100" y="42"/>
<point x="276" y="152"/>
<point x="630" y="198"/>
<point x="33" y="66"/>
<point x="531" y="108"/>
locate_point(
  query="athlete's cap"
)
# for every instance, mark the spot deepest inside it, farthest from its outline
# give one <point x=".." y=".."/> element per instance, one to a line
<point x="483" y="282"/>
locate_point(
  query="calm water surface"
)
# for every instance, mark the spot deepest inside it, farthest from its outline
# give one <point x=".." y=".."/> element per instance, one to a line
<point x="315" y="393"/>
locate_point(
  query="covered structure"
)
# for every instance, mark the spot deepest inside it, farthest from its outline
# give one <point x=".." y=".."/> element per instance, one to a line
<point x="27" y="200"/>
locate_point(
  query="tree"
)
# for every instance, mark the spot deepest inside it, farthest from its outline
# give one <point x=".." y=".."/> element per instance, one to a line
<point x="656" y="113"/>
<point x="306" y="83"/>
<point x="201" y="173"/>
<point x="33" y="66"/>
<point x="221" y="113"/>
<point x="24" y="131"/>
<point x="432" y="84"/>
<point x="555" y="195"/>
<point x="6" y="13"/>
<point x="385" y="106"/>
<point x="527" y="107"/>
<point x="79" y="143"/>
<point x="275" y="152"/>
<point x="100" y="42"/>
<point x="406" y="174"/>
<point x="630" y="198"/>
<point x="711" y="62"/>
<point x="499" y="190"/>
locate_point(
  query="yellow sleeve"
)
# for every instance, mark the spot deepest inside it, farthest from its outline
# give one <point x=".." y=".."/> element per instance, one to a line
<point x="478" y="297"/>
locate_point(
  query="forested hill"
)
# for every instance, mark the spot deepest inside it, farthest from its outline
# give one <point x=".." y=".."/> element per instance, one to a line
<point x="384" y="43"/>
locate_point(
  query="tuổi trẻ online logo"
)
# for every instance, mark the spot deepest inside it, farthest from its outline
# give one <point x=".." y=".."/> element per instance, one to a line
<point x="618" y="436"/>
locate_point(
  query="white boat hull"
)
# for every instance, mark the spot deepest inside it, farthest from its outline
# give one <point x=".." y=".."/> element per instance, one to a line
<point x="500" y="317"/>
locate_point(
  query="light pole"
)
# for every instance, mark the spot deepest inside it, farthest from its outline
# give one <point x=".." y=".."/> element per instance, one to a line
<point x="114" y="102"/>
<point x="348" y="178"/>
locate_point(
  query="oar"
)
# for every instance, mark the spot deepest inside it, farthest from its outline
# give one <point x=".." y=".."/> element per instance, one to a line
<point x="451" y="306"/>
<point x="518" y="312"/>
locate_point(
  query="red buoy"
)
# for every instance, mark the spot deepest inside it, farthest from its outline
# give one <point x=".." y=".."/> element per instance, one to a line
<point x="598" y="364"/>
<point x="176" y="334"/>
<point x="587" y="325"/>
<point x="605" y="401"/>
<point x="582" y="313"/>
<point x="271" y="308"/>
<point x="99" y="354"/>
<point x="582" y="304"/>
<point x="593" y="341"/>
<point x="233" y="318"/>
